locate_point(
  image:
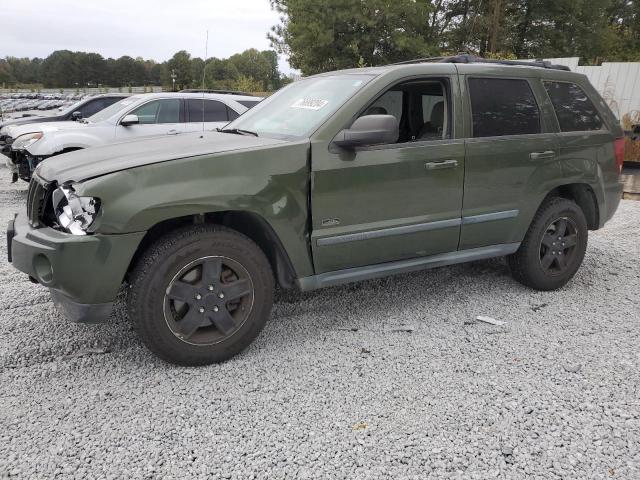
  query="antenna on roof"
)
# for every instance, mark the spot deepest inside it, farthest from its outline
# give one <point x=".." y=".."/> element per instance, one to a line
<point x="204" y="72"/>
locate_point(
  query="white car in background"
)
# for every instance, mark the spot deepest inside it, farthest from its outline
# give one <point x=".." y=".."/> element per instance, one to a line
<point x="137" y="116"/>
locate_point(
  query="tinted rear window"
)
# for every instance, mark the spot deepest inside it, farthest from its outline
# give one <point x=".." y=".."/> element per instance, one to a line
<point x="503" y="106"/>
<point x="575" y="111"/>
<point x="213" y="111"/>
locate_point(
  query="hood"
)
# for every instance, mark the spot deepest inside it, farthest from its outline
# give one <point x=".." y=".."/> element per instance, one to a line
<point x="16" y="130"/>
<point x="29" y="119"/>
<point x="97" y="161"/>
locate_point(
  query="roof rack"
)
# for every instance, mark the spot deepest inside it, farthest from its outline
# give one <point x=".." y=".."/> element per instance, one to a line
<point x="466" y="58"/>
<point x="222" y="92"/>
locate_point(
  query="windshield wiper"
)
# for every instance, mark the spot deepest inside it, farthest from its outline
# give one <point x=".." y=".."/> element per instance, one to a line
<point x="237" y="131"/>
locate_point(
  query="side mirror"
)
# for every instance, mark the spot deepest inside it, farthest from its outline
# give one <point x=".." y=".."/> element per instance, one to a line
<point x="76" y="115"/>
<point x="369" y="130"/>
<point x="129" y="120"/>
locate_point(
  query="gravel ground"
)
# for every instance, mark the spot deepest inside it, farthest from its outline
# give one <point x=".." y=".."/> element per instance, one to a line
<point x="382" y="379"/>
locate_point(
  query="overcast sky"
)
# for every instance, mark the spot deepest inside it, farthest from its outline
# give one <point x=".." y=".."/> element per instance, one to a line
<point x="154" y="29"/>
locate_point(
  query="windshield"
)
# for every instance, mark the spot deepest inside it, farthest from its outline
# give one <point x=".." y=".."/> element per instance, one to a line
<point x="72" y="108"/>
<point x="301" y="107"/>
<point x="113" y="109"/>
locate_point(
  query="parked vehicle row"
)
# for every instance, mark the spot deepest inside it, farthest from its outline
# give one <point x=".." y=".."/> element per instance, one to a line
<point x="20" y="102"/>
<point x="117" y="119"/>
<point x="84" y="108"/>
<point x="339" y="177"/>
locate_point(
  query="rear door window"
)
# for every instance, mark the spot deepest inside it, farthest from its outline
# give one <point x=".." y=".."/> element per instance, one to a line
<point x="502" y="106"/>
<point x="574" y="110"/>
<point x="232" y="114"/>
<point x="214" y="111"/>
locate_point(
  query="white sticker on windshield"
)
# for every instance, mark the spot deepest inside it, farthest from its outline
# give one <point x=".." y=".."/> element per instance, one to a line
<point x="310" y="103"/>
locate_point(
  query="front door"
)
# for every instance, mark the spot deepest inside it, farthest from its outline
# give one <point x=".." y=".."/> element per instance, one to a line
<point x="392" y="202"/>
<point x="157" y="117"/>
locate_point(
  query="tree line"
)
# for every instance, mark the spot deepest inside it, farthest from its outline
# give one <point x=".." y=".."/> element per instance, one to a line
<point x="327" y="35"/>
<point x="334" y="34"/>
<point x="251" y="70"/>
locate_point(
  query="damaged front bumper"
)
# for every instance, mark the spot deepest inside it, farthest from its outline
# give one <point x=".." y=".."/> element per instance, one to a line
<point x="83" y="273"/>
<point x="26" y="163"/>
<point x="7" y="156"/>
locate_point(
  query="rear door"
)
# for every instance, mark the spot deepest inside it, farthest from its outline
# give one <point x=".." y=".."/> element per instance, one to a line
<point x="511" y="152"/>
<point x="157" y="117"/>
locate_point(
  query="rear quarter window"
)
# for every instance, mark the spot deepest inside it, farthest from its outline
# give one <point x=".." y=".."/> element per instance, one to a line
<point x="574" y="110"/>
<point x="503" y="106"/>
<point x="249" y="103"/>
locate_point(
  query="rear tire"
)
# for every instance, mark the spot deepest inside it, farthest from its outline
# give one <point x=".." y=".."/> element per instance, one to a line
<point x="200" y="295"/>
<point x="553" y="248"/>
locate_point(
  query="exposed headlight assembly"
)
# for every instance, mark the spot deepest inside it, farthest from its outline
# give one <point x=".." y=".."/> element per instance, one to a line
<point x="26" y="140"/>
<point x="75" y="214"/>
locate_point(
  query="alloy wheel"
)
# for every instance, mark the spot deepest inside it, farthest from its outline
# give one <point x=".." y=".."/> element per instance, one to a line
<point x="208" y="300"/>
<point x="558" y="246"/>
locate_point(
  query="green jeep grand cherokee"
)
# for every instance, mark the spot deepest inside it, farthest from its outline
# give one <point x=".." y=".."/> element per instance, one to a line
<point x="339" y="177"/>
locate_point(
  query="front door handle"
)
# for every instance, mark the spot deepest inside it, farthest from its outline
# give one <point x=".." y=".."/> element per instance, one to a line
<point x="542" y="155"/>
<point x="442" y="164"/>
<point x="173" y="131"/>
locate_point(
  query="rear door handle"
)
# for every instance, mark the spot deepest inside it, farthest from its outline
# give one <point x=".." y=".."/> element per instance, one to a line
<point x="542" y="155"/>
<point x="442" y="164"/>
<point x="173" y="132"/>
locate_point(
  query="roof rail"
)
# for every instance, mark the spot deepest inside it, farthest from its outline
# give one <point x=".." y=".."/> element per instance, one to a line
<point x="466" y="58"/>
<point x="222" y="92"/>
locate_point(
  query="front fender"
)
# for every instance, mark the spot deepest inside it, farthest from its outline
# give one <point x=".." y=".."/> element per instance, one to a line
<point x="272" y="183"/>
<point x="56" y="142"/>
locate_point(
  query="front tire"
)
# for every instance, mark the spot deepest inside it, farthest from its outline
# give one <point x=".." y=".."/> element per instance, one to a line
<point x="200" y="295"/>
<point x="553" y="248"/>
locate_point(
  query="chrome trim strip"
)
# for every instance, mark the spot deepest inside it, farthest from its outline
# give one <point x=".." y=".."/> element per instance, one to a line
<point x="368" y="272"/>
<point x="387" y="232"/>
<point x="488" y="217"/>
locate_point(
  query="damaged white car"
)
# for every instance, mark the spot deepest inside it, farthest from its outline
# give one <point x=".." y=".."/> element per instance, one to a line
<point x="134" y="117"/>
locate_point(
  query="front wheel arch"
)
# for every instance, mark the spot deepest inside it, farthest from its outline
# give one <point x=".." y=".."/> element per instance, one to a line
<point x="249" y="224"/>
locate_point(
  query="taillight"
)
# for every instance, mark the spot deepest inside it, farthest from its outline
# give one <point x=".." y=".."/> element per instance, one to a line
<point x="618" y="147"/>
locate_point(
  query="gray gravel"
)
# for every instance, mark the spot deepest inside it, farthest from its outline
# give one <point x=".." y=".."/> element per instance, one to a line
<point x="384" y="379"/>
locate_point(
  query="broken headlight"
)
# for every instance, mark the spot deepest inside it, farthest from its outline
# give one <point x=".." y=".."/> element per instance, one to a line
<point x="26" y="140"/>
<point x="75" y="214"/>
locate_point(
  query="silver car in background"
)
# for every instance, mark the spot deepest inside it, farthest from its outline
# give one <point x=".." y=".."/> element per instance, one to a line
<point x="137" y="116"/>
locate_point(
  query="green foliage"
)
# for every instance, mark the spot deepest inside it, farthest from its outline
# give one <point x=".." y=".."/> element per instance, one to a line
<point x="260" y="67"/>
<point x="180" y="66"/>
<point x="68" y="69"/>
<point x="248" y="84"/>
<point x="333" y="34"/>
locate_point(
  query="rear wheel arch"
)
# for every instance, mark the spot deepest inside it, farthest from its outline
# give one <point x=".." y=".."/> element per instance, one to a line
<point x="249" y="224"/>
<point x="584" y="196"/>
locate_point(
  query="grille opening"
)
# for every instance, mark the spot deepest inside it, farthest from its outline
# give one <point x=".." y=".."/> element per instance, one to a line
<point x="39" y="202"/>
